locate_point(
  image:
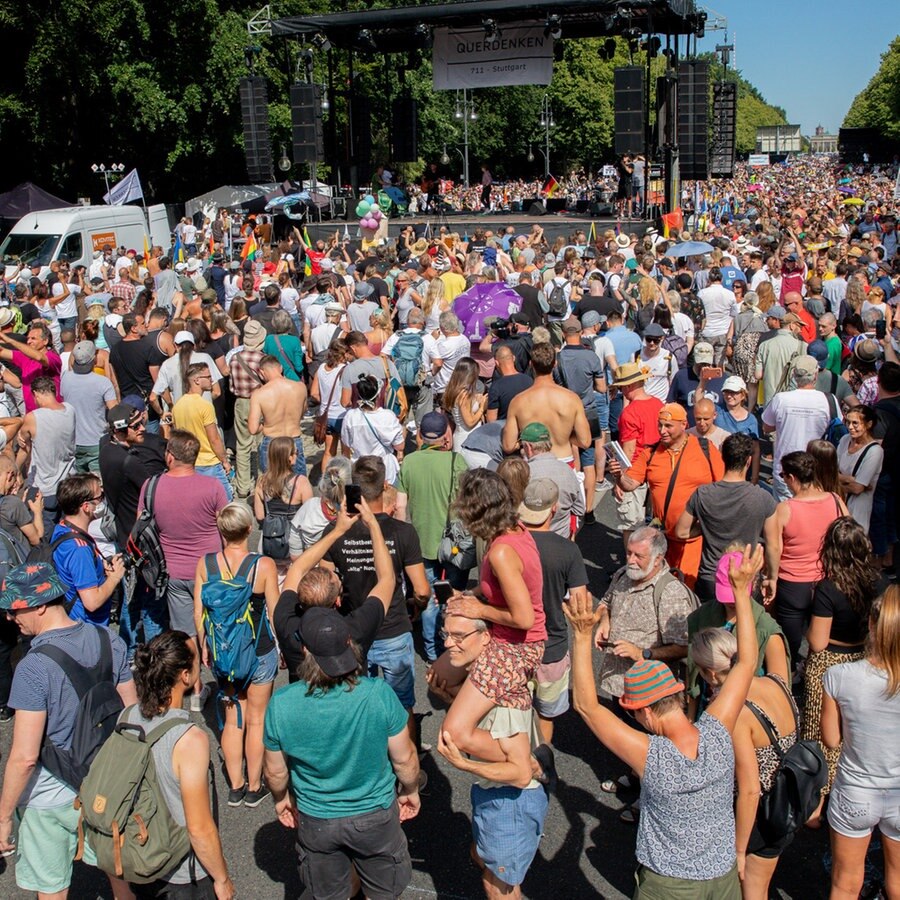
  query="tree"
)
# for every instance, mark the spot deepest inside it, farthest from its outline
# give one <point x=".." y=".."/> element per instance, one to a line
<point x="878" y="104"/>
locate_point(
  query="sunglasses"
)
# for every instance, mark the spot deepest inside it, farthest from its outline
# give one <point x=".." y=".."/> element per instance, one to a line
<point x="653" y="340"/>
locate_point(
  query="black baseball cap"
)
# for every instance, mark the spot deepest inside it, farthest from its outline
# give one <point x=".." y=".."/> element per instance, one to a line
<point x="324" y="633"/>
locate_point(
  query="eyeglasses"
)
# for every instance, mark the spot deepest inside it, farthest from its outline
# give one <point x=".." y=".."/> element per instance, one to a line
<point x="98" y="498"/>
<point x="455" y="638"/>
<point x="653" y="340"/>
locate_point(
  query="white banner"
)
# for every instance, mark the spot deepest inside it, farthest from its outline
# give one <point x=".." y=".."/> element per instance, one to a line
<point x="467" y="58"/>
<point x="756" y="160"/>
<point x="897" y="187"/>
<point x="128" y="189"/>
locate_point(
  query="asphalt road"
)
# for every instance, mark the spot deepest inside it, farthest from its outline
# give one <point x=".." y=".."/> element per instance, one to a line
<point x="586" y="851"/>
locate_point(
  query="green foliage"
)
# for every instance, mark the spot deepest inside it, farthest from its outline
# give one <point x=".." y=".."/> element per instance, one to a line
<point x="878" y="104"/>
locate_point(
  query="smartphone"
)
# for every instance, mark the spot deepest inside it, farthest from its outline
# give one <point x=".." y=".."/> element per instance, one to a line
<point x="711" y="372"/>
<point x="353" y="496"/>
<point x="443" y="591"/>
<point x="881" y="330"/>
<point x="605" y="645"/>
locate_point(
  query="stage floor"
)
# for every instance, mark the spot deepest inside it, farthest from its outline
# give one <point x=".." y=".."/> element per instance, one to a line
<point x="554" y="224"/>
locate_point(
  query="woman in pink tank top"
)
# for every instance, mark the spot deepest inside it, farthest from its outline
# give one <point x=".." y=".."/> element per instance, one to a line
<point x="510" y="601"/>
<point x="792" y="558"/>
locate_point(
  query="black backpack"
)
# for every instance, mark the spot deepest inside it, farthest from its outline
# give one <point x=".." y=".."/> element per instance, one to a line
<point x="99" y="706"/>
<point x="144" y="545"/>
<point x="802" y="773"/>
<point x="276" y="531"/>
<point x="557" y="304"/>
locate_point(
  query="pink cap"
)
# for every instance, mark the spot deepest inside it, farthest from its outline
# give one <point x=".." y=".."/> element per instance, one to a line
<point x="724" y="593"/>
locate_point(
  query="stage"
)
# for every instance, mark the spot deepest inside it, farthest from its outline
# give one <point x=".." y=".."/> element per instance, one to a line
<point x="465" y="224"/>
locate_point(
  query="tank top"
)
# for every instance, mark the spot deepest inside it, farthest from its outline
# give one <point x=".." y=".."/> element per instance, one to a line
<point x="523" y="543"/>
<point x="53" y="448"/>
<point x="767" y="757"/>
<point x="278" y="506"/>
<point x="802" y="538"/>
<point x="169" y="785"/>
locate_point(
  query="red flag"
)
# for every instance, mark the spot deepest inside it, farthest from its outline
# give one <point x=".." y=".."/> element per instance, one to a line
<point x="673" y="221"/>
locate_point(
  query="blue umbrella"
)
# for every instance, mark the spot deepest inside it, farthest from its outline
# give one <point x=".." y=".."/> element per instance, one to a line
<point x="289" y="200"/>
<point x="481" y="301"/>
<point x="690" y="248"/>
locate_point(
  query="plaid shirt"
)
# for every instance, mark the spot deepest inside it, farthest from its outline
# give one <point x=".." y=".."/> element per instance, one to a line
<point x="123" y="290"/>
<point x="242" y="383"/>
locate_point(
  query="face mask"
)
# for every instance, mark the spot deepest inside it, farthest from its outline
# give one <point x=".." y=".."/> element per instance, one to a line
<point x="100" y="509"/>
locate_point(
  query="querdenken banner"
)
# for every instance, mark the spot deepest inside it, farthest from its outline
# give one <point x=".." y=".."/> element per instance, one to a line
<point x="467" y="58"/>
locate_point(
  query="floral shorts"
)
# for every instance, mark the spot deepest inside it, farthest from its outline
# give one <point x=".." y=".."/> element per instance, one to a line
<point x="503" y="672"/>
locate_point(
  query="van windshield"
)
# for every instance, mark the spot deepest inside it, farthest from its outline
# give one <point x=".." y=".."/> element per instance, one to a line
<point x="28" y="248"/>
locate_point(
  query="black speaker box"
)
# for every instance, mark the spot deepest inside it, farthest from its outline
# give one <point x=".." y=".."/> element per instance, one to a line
<point x="255" y="118"/>
<point x="693" y="119"/>
<point x="405" y="134"/>
<point x="306" y="123"/>
<point x="537" y="209"/>
<point x="629" y="109"/>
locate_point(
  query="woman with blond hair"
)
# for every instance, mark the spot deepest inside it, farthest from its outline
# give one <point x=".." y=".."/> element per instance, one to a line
<point x="433" y="305"/>
<point x="861" y="714"/>
<point x="245" y="705"/>
<point x="381" y="330"/>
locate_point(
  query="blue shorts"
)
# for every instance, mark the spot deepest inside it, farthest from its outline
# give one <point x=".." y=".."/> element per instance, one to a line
<point x="266" y="668"/>
<point x="507" y="824"/>
<point x="396" y="658"/>
<point x="601" y="404"/>
<point x="334" y="426"/>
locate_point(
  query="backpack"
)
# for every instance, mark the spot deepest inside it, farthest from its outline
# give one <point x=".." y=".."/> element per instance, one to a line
<point x="802" y="773"/>
<point x="557" y="304"/>
<point x="144" y="545"/>
<point x="43" y="552"/>
<point x="276" y="531"/>
<point x="99" y="705"/>
<point x="407" y="356"/>
<point x="228" y="625"/>
<point x="836" y="428"/>
<point x="124" y="814"/>
<point x="677" y="346"/>
<point x="12" y="553"/>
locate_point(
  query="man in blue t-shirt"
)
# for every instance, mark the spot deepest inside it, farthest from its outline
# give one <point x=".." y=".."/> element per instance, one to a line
<point x="336" y="783"/>
<point x="89" y="579"/>
<point x="627" y="345"/>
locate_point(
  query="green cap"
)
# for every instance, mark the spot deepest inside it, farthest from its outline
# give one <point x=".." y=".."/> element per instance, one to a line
<point x="534" y="433"/>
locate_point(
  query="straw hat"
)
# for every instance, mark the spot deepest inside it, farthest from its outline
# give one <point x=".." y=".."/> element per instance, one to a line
<point x="630" y="373"/>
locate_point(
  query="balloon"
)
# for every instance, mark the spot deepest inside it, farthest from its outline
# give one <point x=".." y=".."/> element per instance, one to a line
<point x="377" y="214"/>
<point x="369" y="199"/>
<point x="371" y="223"/>
<point x="362" y="209"/>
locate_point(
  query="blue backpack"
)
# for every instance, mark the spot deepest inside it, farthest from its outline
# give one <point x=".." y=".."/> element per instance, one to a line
<point x="228" y="624"/>
<point x="407" y="356"/>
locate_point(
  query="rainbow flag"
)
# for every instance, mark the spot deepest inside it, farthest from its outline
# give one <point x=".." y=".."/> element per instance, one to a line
<point x="550" y="186"/>
<point x="251" y="248"/>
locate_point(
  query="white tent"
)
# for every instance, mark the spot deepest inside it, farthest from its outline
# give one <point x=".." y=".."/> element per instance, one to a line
<point x="229" y="196"/>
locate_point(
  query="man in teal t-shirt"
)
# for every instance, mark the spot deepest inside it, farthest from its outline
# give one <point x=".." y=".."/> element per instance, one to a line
<point x="336" y="745"/>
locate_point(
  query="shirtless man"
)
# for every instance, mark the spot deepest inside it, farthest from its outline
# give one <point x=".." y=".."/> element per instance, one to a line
<point x="276" y="410"/>
<point x="560" y="409"/>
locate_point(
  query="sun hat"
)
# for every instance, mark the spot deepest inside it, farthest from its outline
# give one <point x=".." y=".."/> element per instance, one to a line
<point x="867" y="351"/>
<point x="792" y="319"/>
<point x="30" y="585"/>
<point x="540" y="496"/>
<point x="646" y="682"/>
<point x="362" y="289"/>
<point x="254" y="335"/>
<point x="724" y="591"/>
<point x="622" y="240"/>
<point x="534" y="433"/>
<point x="6" y="316"/>
<point x="324" y="633"/>
<point x="630" y="373"/>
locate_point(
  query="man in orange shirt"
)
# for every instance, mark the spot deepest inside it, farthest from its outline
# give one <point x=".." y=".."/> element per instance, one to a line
<point x="793" y="303"/>
<point x="673" y="469"/>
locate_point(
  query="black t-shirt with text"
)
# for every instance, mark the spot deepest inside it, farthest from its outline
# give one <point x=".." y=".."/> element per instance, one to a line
<point x="353" y="558"/>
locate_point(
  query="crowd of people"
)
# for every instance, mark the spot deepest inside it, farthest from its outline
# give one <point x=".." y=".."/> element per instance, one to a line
<point x="216" y="470"/>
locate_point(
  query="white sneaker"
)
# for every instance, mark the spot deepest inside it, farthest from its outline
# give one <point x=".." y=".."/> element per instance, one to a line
<point x="198" y="701"/>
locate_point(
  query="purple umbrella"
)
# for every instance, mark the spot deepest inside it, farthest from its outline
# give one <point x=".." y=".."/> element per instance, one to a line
<point x="846" y="190"/>
<point x="482" y="301"/>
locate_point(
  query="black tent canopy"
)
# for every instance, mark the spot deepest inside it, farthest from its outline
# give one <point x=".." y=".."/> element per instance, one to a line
<point x="26" y="198"/>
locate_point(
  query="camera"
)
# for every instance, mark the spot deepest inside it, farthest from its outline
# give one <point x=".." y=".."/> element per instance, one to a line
<point x="501" y="328"/>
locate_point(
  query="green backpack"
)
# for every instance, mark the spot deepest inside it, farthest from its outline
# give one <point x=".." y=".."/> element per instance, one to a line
<point x="124" y="815"/>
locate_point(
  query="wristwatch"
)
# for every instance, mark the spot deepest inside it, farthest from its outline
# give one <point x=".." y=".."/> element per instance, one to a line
<point x="647" y="654"/>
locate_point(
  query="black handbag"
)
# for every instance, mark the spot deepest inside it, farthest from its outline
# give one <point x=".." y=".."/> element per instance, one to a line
<point x="457" y="546"/>
<point x="797" y="787"/>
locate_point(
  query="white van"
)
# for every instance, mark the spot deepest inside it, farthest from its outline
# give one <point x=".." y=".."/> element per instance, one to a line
<point x="76" y="231"/>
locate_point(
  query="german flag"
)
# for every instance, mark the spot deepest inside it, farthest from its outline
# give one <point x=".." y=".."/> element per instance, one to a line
<point x="550" y="186"/>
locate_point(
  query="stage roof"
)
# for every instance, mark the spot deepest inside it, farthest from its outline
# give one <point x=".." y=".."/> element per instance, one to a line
<point x="393" y="30"/>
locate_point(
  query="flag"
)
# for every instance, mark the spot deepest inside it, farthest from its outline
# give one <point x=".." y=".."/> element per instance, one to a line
<point x="250" y="247"/>
<point x="673" y="221"/>
<point x="307" y="265"/>
<point x="346" y="233"/>
<point x="592" y="238"/>
<point x="306" y="239"/>
<point x="550" y="186"/>
<point x="128" y="189"/>
<point x="212" y="245"/>
<point x="178" y="251"/>
<point x="146" y="250"/>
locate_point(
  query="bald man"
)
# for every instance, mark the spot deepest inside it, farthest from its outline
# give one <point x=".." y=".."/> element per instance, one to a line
<point x="705" y="423"/>
<point x="508" y="382"/>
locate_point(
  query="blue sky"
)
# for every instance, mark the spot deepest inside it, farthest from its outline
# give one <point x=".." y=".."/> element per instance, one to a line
<point x="811" y="57"/>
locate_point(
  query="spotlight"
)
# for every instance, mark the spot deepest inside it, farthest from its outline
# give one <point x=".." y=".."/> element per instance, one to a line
<point x="423" y="35"/>
<point x="321" y="42"/>
<point x="490" y="28"/>
<point x="553" y="28"/>
<point x="457" y="114"/>
<point x="365" y="39"/>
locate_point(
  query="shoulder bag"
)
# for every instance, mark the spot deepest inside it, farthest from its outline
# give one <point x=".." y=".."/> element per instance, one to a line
<point x="457" y="546"/>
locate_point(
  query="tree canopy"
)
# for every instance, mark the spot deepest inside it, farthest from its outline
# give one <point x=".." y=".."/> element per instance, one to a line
<point x="878" y="104"/>
<point x="114" y="81"/>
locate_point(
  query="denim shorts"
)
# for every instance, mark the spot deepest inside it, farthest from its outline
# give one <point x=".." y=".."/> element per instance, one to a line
<point x="507" y="824"/>
<point x="396" y="658"/>
<point x="855" y="811"/>
<point x="335" y="425"/>
<point x="266" y="668"/>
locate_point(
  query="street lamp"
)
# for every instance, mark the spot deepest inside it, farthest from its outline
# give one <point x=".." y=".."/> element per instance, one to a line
<point x="102" y="169"/>
<point x="285" y="162"/>
<point x="465" y="110"/>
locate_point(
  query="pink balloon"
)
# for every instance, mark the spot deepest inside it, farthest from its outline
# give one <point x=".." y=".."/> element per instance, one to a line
<point x="376" y="215"/>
